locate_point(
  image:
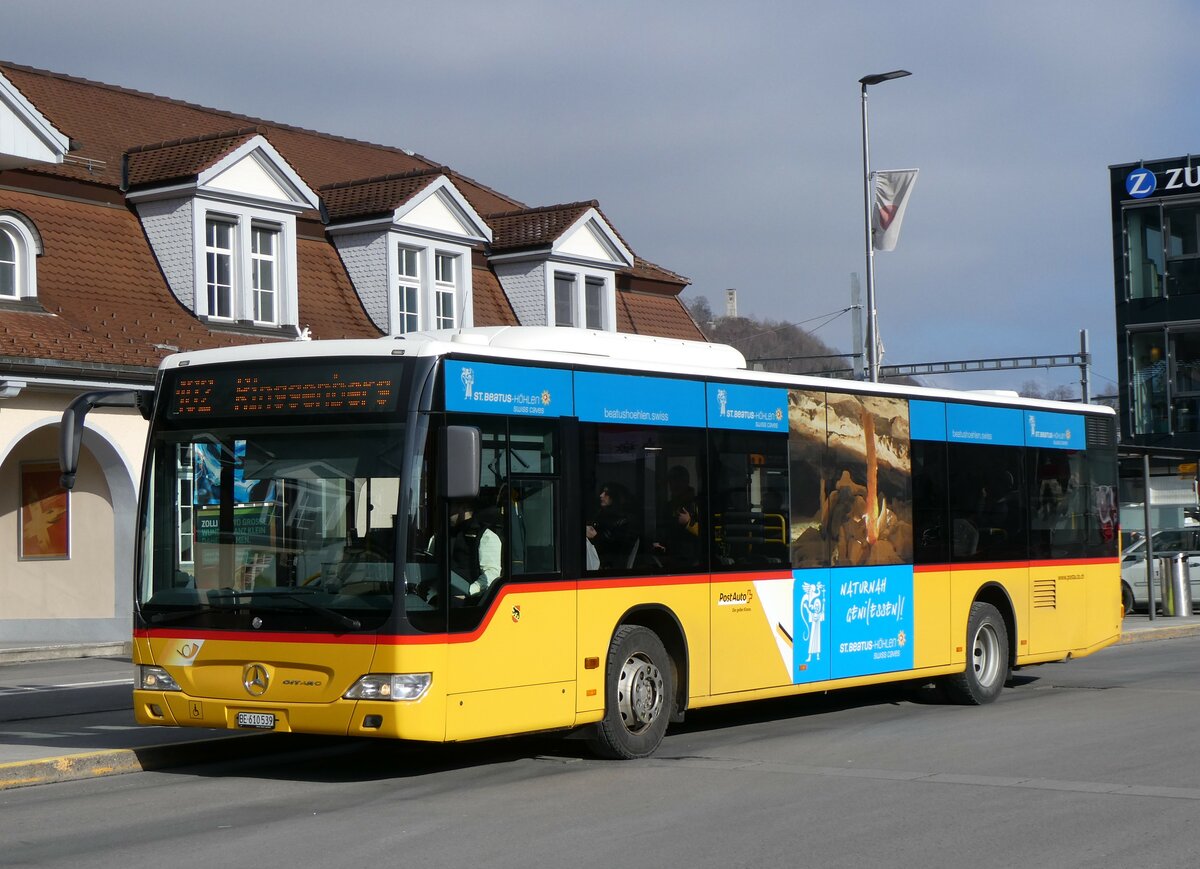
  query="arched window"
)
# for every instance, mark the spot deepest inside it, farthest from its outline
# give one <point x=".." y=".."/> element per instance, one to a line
<point x="19" y="248"/>
<point x="8" y="265"/>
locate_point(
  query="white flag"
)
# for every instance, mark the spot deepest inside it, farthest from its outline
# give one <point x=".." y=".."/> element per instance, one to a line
<point x="891" y="198"/>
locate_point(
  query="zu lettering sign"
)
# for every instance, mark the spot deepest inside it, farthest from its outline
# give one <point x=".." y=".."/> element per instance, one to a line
<point x="1141" y="182"/>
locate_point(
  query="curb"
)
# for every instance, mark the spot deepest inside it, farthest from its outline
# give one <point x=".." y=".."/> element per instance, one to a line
<point x="1166" y="632"/>
<point x="98" y="764"/>
<point x="58" y="651"/>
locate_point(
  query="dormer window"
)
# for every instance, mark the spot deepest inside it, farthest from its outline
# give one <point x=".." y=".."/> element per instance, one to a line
<point x="244" y="288"/>
<point x="582" y="300"/>
<point x="19" y="249"/>
<point x="233" y="199"/>
<point x="421" y="229"/>
<point x="558" y="265"/>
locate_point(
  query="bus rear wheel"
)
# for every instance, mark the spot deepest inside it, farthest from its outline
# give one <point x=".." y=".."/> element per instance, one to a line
<point x="638" y="695"/>
<point x="987" y="658"/>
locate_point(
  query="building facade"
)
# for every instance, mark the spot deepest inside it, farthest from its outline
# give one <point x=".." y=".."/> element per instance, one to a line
<point x="133" y="226"/>
<point x="1156" y="266"/>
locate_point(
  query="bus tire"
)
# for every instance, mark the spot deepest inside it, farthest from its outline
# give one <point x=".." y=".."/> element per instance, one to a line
<point x="987" y="658"/>
<point x="1126" y="597"/>
<point x="638" y="695"/>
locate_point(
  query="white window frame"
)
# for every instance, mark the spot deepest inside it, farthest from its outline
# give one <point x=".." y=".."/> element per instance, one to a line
<point x="434" y="293"/>
<point x="246" y="221"/>
<point x="581" y="278"/>
<point x="213" y="253"/>
<point x="568" y="281"/>
<point x="445" y="289"/>
<point x="26" y="248"/>
<point x="408" y="289"/>
<point x="264" y="263"/>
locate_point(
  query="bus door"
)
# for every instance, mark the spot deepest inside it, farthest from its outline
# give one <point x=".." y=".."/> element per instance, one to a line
<point x="511" y="615"/>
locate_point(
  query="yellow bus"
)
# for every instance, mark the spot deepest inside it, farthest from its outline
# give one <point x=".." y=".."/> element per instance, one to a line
<point x="461" y="535"/>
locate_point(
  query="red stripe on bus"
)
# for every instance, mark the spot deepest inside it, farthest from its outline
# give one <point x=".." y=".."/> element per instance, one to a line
<point x="1011" y="565"/>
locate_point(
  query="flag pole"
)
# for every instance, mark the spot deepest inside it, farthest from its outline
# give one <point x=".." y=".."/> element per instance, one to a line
<point x="872" y="338"/>
<point x="868" y="203"/>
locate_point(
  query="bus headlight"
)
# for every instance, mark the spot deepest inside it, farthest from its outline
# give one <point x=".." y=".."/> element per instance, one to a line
<point x="156" y="679"/>
<point x="390" y="686"/>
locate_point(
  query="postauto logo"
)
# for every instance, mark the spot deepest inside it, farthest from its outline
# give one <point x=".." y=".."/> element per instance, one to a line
<point x="1140" y="183"/>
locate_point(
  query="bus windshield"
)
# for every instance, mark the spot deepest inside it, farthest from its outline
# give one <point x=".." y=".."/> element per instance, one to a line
<point x="280" y="527"/>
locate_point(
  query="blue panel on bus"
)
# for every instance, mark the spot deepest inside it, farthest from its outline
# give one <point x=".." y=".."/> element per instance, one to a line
<point x="755" y="408"/>
<point x="634" y="400"/>
<point x="483" y="387"/>
<point x="871" y="615"/>
<point x="810" y="625"/>
<point x="1063" y="431"/>
<point x="972" y="424"/>
<point x="927" y="420"/>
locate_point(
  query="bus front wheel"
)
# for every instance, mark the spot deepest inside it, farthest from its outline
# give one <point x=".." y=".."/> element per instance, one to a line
<point x="987" y="658"/>
<point x="638" y="695"/>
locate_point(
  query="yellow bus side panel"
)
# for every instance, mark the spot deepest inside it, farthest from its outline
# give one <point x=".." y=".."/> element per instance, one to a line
<point x="509" y="710"/>
<point x="603" y="606"/>
<point x="517" y="673"/>
<point x="751" y="634"/>
<point x="1058" y="612"/>
<point x="1104" y="607"/>
<point x="931" y="619"/>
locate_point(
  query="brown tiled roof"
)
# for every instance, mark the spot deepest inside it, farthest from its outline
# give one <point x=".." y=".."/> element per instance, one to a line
<point x="106" y="121"/>
<point x="329" y="306"/>
<point x="653" y="272"/>
<point x="492" y="307"/>
<point x="647" y="314"/>
<point x="181" y="158"/>
<point x="534" y="227"/>
<point x="373" y="196"/>
<point x="105" y="303"/>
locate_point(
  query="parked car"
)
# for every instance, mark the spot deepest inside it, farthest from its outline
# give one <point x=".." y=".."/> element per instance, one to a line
<point x="1168" y="541"/>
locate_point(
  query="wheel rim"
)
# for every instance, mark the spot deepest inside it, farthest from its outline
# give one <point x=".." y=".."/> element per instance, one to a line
<point x="985" y="655"/>
<point x="639" y="692"/>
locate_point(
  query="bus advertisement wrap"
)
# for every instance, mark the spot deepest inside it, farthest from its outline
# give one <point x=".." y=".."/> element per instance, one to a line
<point x="482" y="387"/>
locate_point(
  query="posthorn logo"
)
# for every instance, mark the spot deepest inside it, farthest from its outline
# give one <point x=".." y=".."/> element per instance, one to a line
<point x="1140" y="183"/>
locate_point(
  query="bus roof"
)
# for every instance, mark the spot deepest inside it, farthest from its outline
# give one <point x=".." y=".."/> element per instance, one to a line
<point x="558" y="345"/>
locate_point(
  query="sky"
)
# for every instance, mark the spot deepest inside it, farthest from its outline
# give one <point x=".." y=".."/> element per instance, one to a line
<point x="724" y="140"/>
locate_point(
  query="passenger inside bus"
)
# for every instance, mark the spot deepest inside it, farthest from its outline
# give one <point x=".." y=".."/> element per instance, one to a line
<point x="611" y="534"/>
<point x="678" y="539"/>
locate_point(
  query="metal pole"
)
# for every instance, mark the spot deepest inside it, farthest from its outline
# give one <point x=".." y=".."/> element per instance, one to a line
<point x="872" y="337"/>
<point x="856" y="319"/>
<point x="1085" y="368"/>
<point x="1149" y="537"/>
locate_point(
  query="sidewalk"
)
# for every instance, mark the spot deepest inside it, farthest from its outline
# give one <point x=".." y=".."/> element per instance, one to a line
<point x="154" y="748"/>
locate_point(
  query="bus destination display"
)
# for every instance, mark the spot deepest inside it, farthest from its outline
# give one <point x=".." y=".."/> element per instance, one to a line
<point x="303" y="389"/>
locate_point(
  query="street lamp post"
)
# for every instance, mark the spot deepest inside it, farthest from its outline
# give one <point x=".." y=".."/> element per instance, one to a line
<point x="872" y="324"/>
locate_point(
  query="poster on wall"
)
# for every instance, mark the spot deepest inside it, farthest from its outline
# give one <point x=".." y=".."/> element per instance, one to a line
<point x="45" y="513"/>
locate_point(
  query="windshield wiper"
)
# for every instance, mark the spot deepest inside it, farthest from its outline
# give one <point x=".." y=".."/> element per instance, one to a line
<point x="180" y="615"/>
<point x="333" y="615"/>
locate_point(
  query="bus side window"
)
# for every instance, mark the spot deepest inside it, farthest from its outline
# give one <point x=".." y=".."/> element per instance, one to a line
<point x="750" y="522"/>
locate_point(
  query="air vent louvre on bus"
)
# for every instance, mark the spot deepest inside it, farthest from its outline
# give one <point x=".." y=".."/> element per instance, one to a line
<point x="1101" y="431"/>
<point x="1045" y="594"/>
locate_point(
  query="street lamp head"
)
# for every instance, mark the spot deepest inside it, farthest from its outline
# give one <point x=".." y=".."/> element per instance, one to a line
<point x="883" y="76"/>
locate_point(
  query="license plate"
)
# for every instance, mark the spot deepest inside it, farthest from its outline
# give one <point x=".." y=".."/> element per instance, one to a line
<point x="257" y="720"/>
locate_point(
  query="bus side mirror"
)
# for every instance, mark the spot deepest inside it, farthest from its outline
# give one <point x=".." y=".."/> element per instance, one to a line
<point x="70" y="429"/>
<point x="460" y="459"/>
